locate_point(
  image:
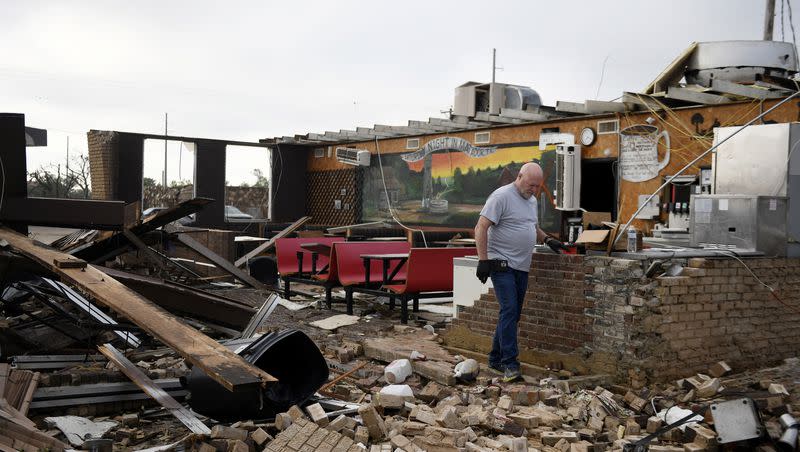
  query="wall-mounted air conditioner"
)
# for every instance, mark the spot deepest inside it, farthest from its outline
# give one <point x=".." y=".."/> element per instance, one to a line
<point x="351" y="156"/>
<point x="568" y="177"/>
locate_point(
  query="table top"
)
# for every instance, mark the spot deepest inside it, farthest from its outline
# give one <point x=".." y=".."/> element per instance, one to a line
<point x="316" y="247"/>
<point x="464" y="243"/>
<point x="387" y="239"/>
<point x="389" y="256"/>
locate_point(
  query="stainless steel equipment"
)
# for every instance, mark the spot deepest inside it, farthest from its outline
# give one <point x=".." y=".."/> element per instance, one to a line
<point x="739" y="222"/>
<point x="762" y="160"/>
<point x="736" y="420"/>
<point x="740" y="61"/>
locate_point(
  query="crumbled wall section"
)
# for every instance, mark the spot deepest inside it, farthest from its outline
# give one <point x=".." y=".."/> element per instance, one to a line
<point x="602" y="315"/>
<point x="103" y="163"/>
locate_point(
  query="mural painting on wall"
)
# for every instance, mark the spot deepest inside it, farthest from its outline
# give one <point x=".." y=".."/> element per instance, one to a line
<point x="446" y="182"/>
<point x="638" y="152"/>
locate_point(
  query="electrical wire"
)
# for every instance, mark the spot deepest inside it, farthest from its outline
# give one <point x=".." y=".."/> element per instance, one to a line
<point x="698" y="158"/>
<point x="783" y="2"/>
<point x="791" y="25"/>
<point x="772" y="291"/>
<point x="389" y="201"/>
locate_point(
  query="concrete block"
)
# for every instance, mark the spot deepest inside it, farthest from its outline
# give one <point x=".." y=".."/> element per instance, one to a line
<point x="260" y="437"/>
<point x="373" y="421"/>
<point x="551" y="438"/>
<point x="225" y="432"/>
<point x="362" y="435"/>
<point x="317" y="414"/>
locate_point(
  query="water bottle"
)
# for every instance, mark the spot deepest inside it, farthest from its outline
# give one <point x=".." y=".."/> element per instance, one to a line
<point x="632" y="240"/>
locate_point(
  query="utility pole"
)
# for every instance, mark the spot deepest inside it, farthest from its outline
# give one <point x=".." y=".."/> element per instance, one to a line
<point x="769" y="20"/>
<point x="164" y="179"/>
<point x="67" y="155"/>
<point x="494" y="62"/>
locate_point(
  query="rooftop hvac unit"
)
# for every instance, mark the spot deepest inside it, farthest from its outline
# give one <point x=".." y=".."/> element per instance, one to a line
<point x="568" y="177"/>
<point x="350" y="156"/>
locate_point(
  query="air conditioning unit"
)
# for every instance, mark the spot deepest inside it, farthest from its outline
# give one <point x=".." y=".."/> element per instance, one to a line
<point x="568" y="177"/>
<point x="351" y="156"/>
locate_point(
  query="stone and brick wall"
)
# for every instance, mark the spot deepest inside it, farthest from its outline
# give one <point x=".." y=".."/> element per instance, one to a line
<point x="597" y="314"/>
<point x="103" y="163"/>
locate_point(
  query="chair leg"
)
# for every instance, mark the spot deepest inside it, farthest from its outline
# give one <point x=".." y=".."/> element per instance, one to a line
<point x="348" y="297"/>
<point x="328" y="296"/>
<point x="286" y="292"/>
<point x="403" y="309"/>
<point x="416" y="303"/>
<point x="391" y="302"/>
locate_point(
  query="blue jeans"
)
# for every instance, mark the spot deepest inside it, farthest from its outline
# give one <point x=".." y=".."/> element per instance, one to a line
<point x="509" y="287"/>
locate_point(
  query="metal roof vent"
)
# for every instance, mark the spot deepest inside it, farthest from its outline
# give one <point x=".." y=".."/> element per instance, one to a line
<point x="740" y="61"/>
<point x="473" y="97"/>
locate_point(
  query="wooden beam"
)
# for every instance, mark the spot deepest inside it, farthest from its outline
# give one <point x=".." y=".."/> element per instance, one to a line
<point x="570" y="107"/>
<point x="267" y="245"/>
<point x="598" y="106"/>
<point x="219" y="261"/>
<point x="225" y="367"/>
<point x="147" y="385"/>
<point x="695" y="96"/>
<point x="737" y="89"/>
<point x="673" y="73"/>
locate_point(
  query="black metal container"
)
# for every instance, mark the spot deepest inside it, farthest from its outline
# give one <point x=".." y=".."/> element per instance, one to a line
<point x="290" y="356"/>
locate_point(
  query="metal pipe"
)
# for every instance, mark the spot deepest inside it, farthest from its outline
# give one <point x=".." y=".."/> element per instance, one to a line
<point x="658" y="190"/>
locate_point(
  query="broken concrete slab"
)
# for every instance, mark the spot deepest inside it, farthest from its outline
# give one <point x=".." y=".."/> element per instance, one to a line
<point x="77" y="429"/>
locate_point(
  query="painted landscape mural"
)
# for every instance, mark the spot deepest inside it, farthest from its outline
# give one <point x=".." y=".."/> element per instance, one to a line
<point x="446" y="182"/>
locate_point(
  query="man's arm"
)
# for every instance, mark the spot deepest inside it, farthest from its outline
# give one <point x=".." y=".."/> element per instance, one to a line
<point x="540" y="235"/>
<point x="482" y="237"/>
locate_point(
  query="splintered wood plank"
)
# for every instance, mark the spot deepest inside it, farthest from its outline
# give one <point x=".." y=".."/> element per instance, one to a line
<point x="225" y="367"/>
<point x="153" y="390"/>
<point x="267" y="245"/>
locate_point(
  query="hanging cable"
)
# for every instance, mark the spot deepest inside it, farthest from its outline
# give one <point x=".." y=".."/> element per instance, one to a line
<point x="697" y="159"/>
<point x="389" y="201"/>
<point x="772" y="291"/>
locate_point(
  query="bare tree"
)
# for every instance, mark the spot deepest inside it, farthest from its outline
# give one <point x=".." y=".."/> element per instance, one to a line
<point x="79" y="173"/>
<point x="52" y="181"/>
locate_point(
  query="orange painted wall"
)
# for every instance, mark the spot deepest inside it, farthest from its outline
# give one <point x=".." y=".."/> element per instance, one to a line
<point x="688" y="140"/>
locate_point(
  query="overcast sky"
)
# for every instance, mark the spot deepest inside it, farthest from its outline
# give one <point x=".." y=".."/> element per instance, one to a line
<point x="253" y="69"/>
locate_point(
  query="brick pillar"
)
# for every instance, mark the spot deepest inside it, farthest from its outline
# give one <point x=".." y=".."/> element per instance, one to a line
<point x="103" y="163"/>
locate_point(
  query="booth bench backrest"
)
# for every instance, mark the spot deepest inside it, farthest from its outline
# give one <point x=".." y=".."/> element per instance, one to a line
<point x="286" y="252"/>
<point x="430" y="270"/>
<point x="350" y="265"/>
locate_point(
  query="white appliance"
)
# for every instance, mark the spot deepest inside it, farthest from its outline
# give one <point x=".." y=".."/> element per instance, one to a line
<point x="351" y="156"/>
<point x="568" y="177"/>
<point x="466" y="287"/>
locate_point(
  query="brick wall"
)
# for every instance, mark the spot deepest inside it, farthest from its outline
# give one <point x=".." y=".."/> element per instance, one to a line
<point x="602" y="315"/>
<point x="103" y="163"/>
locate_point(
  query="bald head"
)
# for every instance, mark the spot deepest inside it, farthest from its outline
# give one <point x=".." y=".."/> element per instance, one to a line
<point x="529" y="180"/>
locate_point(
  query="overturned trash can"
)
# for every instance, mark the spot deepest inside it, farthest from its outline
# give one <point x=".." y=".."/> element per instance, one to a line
<point x="290" y="356"/>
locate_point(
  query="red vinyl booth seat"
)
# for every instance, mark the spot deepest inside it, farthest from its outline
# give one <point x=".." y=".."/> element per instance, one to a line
<point x="350" y="265"/>
<point x="286" y="252"/>
<point x="430" y="270"/>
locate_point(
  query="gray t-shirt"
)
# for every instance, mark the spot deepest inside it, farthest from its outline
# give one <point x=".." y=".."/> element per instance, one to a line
<point x="513" y="235"/>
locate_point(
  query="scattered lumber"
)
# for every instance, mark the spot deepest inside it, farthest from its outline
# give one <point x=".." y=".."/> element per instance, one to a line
<point x="219" y="363"/>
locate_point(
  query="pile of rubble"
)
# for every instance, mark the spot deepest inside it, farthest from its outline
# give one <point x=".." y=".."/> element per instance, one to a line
<point x="377" y="386"/>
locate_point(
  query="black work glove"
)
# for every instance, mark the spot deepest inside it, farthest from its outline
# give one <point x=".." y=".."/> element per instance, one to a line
<point x="484" y="268"/>
<point x="554" y="245"/>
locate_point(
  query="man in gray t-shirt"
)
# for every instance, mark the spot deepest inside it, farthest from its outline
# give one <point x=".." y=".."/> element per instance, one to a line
<point x="505" y="236"/>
